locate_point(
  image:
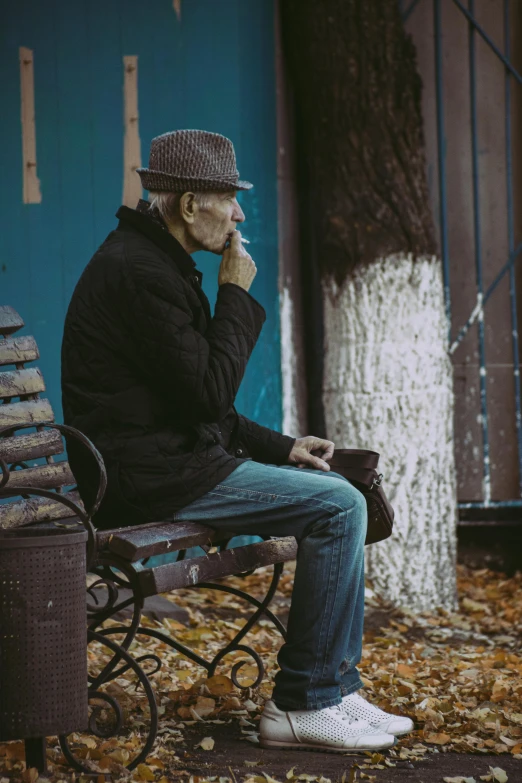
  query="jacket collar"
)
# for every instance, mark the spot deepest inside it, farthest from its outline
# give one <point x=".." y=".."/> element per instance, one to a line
<point x="140" y="221"/>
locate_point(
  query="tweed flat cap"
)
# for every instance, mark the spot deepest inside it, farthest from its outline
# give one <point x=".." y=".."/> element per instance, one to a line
<point x="193" y="160"/>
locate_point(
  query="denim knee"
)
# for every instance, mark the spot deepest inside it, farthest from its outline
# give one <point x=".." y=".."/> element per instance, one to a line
<point x="355" y="504"/>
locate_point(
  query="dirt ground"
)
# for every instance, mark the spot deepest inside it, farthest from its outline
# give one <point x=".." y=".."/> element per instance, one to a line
<point x="231" y="754"/>
<point x="458" y="675"/>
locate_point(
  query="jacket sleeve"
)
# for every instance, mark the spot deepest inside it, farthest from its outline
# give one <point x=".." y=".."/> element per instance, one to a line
<point x="201" y="371"/>
<point x="261" y="443"/>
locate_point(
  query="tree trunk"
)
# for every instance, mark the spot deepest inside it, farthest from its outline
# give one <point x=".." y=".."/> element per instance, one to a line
<point x="386" y="376"/>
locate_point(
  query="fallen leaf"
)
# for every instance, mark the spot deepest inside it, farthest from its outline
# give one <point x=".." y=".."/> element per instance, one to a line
<point x="204" y="706"/>
<point x="15" y="751"/>
<point x="121" y="755"/>
<point x="154" y="762"/>
<point x="269" y="779"/>
<point x="219" y="685"/>
<point x="459" y="779"/>
<point x="496" y="775"/>
<point x="408" y="672"/>
<point x="207" y="743"/>
<point x="438" y="739"/>
<point x="232" y="703"/>
<point x="144" y="772"/>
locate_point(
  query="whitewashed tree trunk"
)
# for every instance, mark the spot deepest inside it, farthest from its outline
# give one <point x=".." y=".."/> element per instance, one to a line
<point x="388" y="386"/>
<point x="368" y="233"/>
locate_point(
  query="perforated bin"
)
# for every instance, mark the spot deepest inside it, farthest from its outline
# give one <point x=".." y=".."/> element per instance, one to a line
<point x="43" y="633"/>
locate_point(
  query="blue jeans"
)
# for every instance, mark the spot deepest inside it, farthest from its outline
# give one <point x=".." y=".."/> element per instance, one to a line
<point x="327" y="516"/>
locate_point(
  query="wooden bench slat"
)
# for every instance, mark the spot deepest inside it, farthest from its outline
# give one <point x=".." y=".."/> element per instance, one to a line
<point x="216" y="565"/>
<point x="17" y="382"/>
<point x="31" y="446"/>
<point x="18" y="349"/>
<point x="57" y="474"/>
<point x="33" y="510"/>
<point x="10" y="321"/>
<point x="25" y="412"/>
<point x="140" y="541"/>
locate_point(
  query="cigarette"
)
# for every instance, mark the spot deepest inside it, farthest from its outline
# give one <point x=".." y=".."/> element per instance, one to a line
<point x="245" y="241"/>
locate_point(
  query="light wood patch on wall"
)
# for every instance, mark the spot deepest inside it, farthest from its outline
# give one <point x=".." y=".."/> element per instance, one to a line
<point x="132" y="190"/>
<point x="31" y="184"/>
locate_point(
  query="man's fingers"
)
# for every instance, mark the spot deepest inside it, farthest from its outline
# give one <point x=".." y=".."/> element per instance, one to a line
<point x="301" y="457"/>
<point x="235" y="241"/>
<point x="322" y="448"/>
<point x="329" y="452"/>
<point x="315" y="462"/>
<point x="321" y="465"/>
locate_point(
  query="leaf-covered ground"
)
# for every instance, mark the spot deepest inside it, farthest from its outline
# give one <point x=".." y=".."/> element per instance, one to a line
<point x="456" y="674"/>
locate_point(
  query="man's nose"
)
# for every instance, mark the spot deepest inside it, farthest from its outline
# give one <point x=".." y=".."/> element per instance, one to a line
<point x="239" y="215"/>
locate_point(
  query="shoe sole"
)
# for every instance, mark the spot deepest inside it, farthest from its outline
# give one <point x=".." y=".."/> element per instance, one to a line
<point x="321" y="748"/>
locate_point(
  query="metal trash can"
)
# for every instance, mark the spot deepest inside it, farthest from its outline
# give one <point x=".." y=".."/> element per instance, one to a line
<point x="43" y="633"/>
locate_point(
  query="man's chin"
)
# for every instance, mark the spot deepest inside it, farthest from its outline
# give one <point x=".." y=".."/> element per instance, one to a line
<point x="216" y="250"/>
<point x="221" y="249"/>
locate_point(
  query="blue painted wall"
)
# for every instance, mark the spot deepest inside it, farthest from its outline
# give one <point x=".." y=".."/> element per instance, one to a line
<point x="214" y="70"/>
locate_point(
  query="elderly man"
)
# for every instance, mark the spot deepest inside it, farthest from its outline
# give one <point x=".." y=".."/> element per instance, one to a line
<point x="151" y="377"/>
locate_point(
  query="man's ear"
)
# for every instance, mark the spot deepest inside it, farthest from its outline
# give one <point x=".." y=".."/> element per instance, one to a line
<point x="188" y="207"/>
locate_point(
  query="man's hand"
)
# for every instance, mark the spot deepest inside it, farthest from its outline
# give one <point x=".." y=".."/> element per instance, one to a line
<point x="311" y="452"/>
<point x="237" y="265"/>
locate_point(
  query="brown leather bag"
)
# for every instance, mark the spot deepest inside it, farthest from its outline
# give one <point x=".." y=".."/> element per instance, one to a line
<point x="359" y="466"/>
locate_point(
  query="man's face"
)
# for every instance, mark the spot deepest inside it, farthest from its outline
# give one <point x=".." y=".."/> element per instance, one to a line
<point x="215" y="220"/>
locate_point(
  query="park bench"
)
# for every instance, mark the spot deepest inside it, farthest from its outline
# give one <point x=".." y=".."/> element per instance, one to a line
<point x="118" y="560"/>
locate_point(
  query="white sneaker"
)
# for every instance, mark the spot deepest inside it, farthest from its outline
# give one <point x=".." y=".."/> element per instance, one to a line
<point x="357" y="708"/>
<point x="328" y="729"/>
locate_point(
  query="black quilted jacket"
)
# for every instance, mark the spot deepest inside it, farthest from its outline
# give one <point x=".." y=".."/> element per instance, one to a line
<point x="151" y="377"/>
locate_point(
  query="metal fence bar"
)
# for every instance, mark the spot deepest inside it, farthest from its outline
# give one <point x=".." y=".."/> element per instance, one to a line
<point x="475" y="25"/>
<point x="441" y="162"/>
<point x="508" y="266"/>
<point x="478" y="258"/>
<point x="511" y="243"/>
<point x="407" y="12"/>
<point x="492" y="504"/>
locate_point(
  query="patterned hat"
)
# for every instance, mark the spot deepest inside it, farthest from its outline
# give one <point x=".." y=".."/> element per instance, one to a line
<point x="193" y="160"/>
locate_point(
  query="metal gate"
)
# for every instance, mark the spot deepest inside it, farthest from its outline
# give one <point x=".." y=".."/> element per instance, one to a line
<point x="461" y="48"/>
